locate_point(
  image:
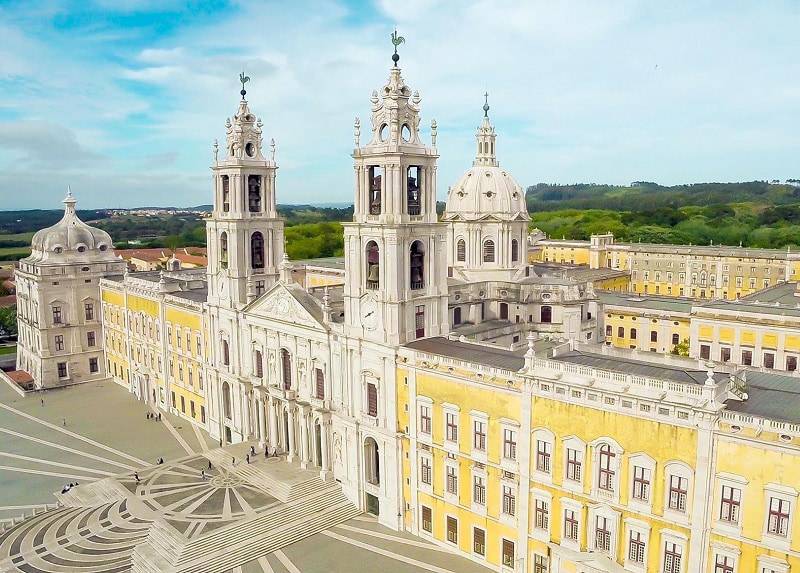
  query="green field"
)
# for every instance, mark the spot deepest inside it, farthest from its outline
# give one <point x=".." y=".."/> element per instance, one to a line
<point x="8" y="253"/>
<point x="8" y="349"/>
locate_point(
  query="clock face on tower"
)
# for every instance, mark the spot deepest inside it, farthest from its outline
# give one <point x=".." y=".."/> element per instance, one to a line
<point x="369" y="312"/>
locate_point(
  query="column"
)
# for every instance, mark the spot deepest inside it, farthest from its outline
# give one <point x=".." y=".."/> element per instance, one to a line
<point x="304" y="452"/>
<point x="260" y="421"/>
<point x="273" y="423"/>
<point x="325" y="472"/>
<point x="290" y="456"/>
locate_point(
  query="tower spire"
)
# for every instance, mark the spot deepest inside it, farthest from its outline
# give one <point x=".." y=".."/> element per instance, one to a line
<point x="486" y="105"/>
<point x="69" y="201"/>
<point x="396" y="41"/>
<point x="486" y="138"/>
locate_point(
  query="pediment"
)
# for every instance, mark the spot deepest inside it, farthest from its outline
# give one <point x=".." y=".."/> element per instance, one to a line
<point x="289" y="304"/>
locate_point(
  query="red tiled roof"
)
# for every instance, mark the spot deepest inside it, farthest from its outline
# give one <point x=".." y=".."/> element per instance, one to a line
<point x="20" y="376"/>
<point x="6" y="301"/>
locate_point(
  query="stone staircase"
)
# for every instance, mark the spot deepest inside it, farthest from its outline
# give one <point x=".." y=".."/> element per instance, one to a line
<point x="226" y="549"/>
<point x="94" y="493"/>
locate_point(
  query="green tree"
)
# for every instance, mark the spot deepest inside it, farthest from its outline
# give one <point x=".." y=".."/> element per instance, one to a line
<point x="682" y="348"/>
<point x="8" y="320"/>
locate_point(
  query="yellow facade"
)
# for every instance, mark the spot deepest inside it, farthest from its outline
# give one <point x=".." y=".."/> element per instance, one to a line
<point x="186" y="347"/>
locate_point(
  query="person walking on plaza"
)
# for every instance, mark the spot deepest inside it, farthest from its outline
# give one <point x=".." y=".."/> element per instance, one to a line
<point x="203" y="474"/>
<point x="252" y="450"/>
<point x="136" y="475"/>
<point x="42" y="402"/>
<point x="247" y="457"/>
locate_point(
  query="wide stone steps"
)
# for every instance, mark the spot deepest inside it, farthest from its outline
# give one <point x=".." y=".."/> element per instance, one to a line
<point x="92" y="494"/>
<point x="236" y="554"/>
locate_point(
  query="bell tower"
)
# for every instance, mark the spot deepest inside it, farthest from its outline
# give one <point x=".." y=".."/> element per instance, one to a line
<point x="395" y="248"/>
<point x="244" y="233"/>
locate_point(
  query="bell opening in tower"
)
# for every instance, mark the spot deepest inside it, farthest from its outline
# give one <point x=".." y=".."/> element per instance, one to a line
<point x="226" y="194"/>
<point x="375" y="195"/>
<point x="417" y="265"/>
<point x="373" y="266"/>
<point x="254" y="193"/>
<point x="414" y="195"/>
<point x="257" y="250"/>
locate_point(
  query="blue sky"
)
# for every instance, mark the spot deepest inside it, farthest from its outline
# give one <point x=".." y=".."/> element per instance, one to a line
<point x="122" y="99"/>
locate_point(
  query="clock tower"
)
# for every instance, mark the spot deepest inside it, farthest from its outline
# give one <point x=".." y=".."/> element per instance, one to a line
<point x="395" y="248"/>
<point x="244" y="233"/>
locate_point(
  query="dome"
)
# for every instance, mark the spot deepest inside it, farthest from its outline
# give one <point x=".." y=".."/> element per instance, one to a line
<point x="486" y="190"/>
<point x="71" y="236"/>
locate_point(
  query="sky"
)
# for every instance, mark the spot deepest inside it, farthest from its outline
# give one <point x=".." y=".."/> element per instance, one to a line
<point x="122" y="99"/>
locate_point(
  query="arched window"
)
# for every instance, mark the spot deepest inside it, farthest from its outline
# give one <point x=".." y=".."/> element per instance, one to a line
<point x="226" y="194"/>
<point x="546" y="314"/>
<point x="257" y="250"/>
<point x="254" y="193"/>
<point x="371" y="462"/>
<point x="414" y="194"/>
<point x="457" y="315"/>
<point x="461" y="250"/>
<point x="488" y="251"/>
<point x="223" y="250"/>
<point x="504" y="311"/>
<point x="259" y="364"/>
<point x="417" y="265"/>
<point x="373" y="265"/>
<point x="286" y="367"/>
<point x="226" y="400"/>
<point x="514" y="250"/>
<point x="226" y="353"/>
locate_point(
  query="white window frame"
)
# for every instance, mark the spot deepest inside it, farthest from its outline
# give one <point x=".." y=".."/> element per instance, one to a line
<point x="507" y="518"/>
<point x="613" y="518"/>
<point x="789" y="495"/>
<point x="682" y="470"/>
<point x="570" y="504"/>
<point x="546" y="497"/>
<point x="483" y="417"/>
<point x="574" y="443"/>
<point x="643" y="461"/>
<point x="643" y="529"/>
<point x="478" y="508"/>
<point x="424" y="402"/>
<point x="617" y="450"/>
<point x="546" y="436"/>
<point x="768" y="564"/>
<point x="425" y="487"/>
<point x="679" y="539"/>
<point x="448" y="496"/>
<point x="732" y="481"/>
<point x="450" y="445"/>
<point x="509" y="464"/>
<point x="724" y="550"/>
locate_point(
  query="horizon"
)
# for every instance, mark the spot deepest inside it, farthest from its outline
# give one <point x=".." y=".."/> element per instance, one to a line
<point x="123" y="101"/>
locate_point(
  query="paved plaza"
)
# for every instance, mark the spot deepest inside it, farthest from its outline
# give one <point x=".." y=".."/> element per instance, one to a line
<point x="204" y="503"/>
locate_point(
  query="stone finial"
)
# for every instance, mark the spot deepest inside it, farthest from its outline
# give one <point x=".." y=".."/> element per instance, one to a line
<point x="215" y="147"/>
<point x="272" y="150"/>
<point x="710" y="374"/>
<point x="357" y="132"/>
<point x="434" y="132"/>
<point x="486" y="105"/>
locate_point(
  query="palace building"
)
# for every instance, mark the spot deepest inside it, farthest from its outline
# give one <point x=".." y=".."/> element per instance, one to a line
<point x="529" y="415"/>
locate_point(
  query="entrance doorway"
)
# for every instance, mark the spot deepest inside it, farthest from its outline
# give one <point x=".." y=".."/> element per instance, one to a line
<point x="373" y="507"/>
<point x="317" y="444"/>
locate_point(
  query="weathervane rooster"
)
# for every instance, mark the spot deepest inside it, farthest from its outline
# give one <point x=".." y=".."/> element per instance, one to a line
<point x="396" y="41"/>
<point x="243" y="79"/>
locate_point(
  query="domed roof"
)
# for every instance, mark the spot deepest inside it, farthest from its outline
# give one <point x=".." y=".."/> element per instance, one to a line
<point x="70" y="237"/>
<point x="486" y="189"/>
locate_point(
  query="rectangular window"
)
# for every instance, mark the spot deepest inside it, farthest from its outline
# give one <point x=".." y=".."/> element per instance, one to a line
<point x="729" y="505"/>
<point x="479" y="435"/>
<point x="541" y="514"/>
<point x="641" y="483"/>
<point x="509" y="444"/>
<point x="59" y="341"/>
<point x="602" y="534"/>
<point x="539" y="564"/>
<point x="571" y="524"/>
<point x="723" y="564"/>
<point x="778" y="521"/>
<point x="372" y="400"/>
<point x="478" y="490"/>
<point x="672" y="558"/>
<point x="419" y="320"/>
<point x="451" y="420"/>
<point x="425" y="471"/>
<point x="479" y="541"/>
<point x="605" y="475"/>
<point x="573" y="465"/>
<point x="747" y="357"/>
<point x="62" y="369"/>
<point x="769" y="360"/>
<point x="88" y="310"/>
<point x="427" y="519"/>
<point x="636" y="548"/>
<point x="57" y="315"/>
<point x="425" y="420"/>
<point x="543" y="452"/>
<point x="183" y="404"/>
<point x="320" y="383"/>
<point x="452" y="480"/>
<point x="93" y="365"/>
<point x="452" y="529"/>
<point x="678" y="487"/>
<point x="509" y="501"/>
<point x="725" y="354"/>
<point x="705" y="351"/>
<point x="791" y="363"/>
<point x="508" y="553"/>
<point x="653" y="336"/>
<point x="90" y="338"/>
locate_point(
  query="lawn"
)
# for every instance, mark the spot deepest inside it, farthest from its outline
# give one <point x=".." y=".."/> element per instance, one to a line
<point x="8" y="349"/>
<point x="7" y="252"/>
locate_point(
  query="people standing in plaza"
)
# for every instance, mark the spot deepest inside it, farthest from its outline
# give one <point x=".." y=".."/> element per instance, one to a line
<point x="247" y="457"/>
<point x="136" y="475"/>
